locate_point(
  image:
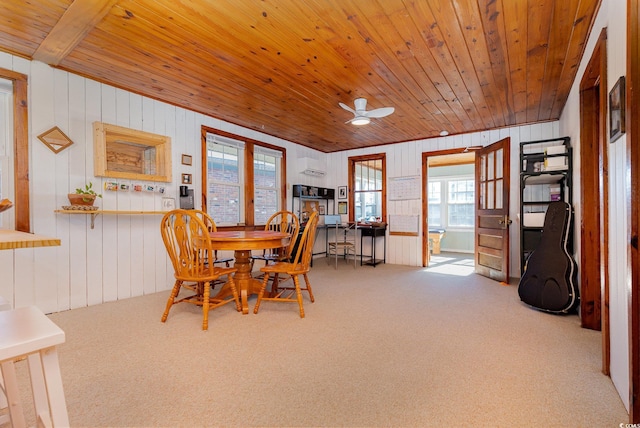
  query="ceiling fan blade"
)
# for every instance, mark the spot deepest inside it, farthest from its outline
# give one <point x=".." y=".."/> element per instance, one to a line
<point x="347" y="108"/>
<point x="380" y="112"/>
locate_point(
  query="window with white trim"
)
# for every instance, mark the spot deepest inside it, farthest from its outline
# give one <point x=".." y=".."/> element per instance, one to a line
<point x="266" y="182"/>
<point x="225" y="179"/>
<point x="452" y="202"/>
<point x="435" y="204"/>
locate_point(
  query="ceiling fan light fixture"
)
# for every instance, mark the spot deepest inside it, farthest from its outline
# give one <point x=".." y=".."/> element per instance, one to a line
<point x="444" y="133"/>
<point x="361" y="120"/>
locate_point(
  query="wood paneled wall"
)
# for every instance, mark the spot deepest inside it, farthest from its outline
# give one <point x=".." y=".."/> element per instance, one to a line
<point x="405" y="160"/>
<point x="123" y="256"/>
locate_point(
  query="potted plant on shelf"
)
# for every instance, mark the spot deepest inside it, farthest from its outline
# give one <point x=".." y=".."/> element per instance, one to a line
<point x="84" y="196"/>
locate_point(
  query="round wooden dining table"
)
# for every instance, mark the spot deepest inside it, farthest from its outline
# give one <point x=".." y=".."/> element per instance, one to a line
<point x="242" y="242"/>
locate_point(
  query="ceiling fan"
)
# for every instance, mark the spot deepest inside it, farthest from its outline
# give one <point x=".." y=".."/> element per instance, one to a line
<point x="361" y="115"/>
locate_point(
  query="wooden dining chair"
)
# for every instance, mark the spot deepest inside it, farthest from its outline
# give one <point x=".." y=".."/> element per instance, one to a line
<point x="282" y="221"/>
<point x="300" y="265"/>
<point x="211" y="225"/>
<point x="187" y="240"/>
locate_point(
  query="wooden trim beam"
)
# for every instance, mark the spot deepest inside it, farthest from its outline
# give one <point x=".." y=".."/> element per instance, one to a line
<point x="77" y="21"/>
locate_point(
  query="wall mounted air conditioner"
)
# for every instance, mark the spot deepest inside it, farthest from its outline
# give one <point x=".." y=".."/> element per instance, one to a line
<point x="309" y="166"/>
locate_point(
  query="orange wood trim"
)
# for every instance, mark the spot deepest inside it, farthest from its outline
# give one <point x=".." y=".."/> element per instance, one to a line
<point x="425" y="197"/>
<point x="21" y="148"/>
<point x="352" y="184"/>
<point x="249" y="191"/>
<point x="249" y="194"/>
<point x="593" y="108"/>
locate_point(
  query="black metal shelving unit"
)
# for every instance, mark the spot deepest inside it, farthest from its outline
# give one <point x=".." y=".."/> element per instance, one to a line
<point x="545" y="176"/>
<point x="303" y="193"/>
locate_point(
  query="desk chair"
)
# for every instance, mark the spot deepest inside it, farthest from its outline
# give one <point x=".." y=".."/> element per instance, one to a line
<point x="344" y="240"/>
<point x="187" y="240"/>
<point x="300" y="265"/>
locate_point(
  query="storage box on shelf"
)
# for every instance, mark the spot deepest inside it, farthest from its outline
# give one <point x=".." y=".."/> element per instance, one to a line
<point x="545" y="176"/>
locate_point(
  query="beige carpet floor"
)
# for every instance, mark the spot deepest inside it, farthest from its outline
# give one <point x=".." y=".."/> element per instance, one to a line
<point x="387" y="346"/>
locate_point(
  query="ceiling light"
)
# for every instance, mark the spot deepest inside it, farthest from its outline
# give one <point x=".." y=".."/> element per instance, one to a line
<point x="360" y="120"/>
<point x="444" y="133"/>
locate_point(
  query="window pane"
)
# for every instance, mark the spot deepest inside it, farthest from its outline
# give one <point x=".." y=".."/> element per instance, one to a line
<point x="223" y="180"/>
<point x="460" y="207"/>
<point x="435" y="192"/>
<point x="266" y="204"/>
<point x="222" y="163"/>
<point x="266" y="186"/>
<point x="499" y="194"/>
<point x="224" y="204"/>
<point x="264" y="170"/>
<point x="435" y="215"/>
<point x="461" y="215"/>
<point x="499" y="163"/>
<point x="368" y="205"/>
<point x="491" y="166"/>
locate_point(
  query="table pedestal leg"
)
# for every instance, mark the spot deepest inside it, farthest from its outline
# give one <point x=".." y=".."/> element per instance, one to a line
<point x="245" y="283"/>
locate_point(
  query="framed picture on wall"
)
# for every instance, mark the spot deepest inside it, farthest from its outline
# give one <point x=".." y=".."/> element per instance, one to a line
<point x="616" y="110"/>
<point x="342" y="192"/>
<point x="186" y="178"/>
<point x="342" y="208"/>
<point x="187" y="160"/>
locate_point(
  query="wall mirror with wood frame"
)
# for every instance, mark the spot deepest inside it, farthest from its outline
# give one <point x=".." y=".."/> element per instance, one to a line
<point x="127" y="153"/>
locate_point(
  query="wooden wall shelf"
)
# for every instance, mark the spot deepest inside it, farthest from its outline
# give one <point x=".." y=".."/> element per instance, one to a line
<point x="109" y="212"/>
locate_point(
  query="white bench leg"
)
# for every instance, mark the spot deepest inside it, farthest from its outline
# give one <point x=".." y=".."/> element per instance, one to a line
<point x="39" y="389"/>
<point x="50" y="367"/>
<point x="13" y="394"/>
<point x="4" y="406"/>
<point x="4" y="419"/>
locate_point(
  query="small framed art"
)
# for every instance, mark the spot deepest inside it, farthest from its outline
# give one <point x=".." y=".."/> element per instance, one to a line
<point x="342" y="208"/>
<point x="186" y="178"/>
<point x="187" y="160"/>
<point x="616" y="110"/>
<point x="342" y="192"/>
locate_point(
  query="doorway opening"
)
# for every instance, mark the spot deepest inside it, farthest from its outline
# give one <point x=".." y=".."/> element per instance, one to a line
<point x="449" y="213"/>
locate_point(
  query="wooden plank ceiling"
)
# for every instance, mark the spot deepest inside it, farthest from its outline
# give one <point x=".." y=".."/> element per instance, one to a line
<point x="282" y="66"/>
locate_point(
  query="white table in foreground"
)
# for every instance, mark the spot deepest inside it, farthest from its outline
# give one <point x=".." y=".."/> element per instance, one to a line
<point x="27" y="332"/>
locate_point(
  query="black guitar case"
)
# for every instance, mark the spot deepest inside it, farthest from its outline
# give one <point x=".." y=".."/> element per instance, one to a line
<point x="548" y="282"/>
